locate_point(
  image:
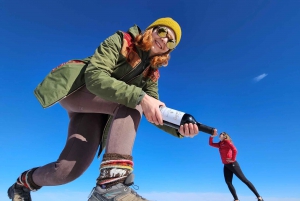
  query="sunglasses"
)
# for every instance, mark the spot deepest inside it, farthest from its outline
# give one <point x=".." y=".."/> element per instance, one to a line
<point x="163" y="33"/>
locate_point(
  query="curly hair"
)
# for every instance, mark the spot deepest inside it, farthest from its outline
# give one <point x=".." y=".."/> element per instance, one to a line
<point x="144" y="42"/>
<point x="226" y="136"/>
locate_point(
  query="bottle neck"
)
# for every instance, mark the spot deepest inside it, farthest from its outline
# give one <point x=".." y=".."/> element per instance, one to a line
<point x="205" y="129"/>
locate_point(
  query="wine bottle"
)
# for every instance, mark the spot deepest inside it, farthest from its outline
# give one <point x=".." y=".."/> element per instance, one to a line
<point x="174" y="118"/>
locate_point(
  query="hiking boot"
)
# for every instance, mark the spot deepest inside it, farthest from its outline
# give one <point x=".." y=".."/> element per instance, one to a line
<point x="18" y="193"/>
<point x="118" y="192"/>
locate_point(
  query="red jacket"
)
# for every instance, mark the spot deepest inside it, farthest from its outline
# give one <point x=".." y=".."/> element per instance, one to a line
<point x="226" y="148"/>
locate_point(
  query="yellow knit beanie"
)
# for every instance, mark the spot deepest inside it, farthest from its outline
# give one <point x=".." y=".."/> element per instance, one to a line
<point x="169" y="22"/>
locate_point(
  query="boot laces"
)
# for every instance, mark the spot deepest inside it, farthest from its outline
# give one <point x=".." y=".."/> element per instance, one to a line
<point x="132" y="191"/>
<point x="135" y="187"/>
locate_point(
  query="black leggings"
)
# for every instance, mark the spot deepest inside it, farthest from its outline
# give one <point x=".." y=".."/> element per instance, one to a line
<point x="234" y="168"/>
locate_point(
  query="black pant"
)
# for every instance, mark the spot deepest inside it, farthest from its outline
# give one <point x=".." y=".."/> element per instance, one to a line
<point x="234" y="168"/>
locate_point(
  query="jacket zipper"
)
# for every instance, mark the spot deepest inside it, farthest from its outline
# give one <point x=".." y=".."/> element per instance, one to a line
<point x="130" y="71"/>
<point x="137" y="75"/>
<point x="132" y="79"/>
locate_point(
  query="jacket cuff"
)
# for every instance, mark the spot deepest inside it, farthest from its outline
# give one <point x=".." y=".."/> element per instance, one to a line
<point x="140" y="98"/>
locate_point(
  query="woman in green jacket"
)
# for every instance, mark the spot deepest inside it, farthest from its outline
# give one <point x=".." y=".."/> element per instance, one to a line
<point x="105" y="96"/>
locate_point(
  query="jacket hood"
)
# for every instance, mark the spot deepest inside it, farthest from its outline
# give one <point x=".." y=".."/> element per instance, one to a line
<point x="134" y="30"/>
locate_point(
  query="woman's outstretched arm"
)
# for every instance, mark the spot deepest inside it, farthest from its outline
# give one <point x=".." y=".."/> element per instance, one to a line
<point x="211" y="143"/>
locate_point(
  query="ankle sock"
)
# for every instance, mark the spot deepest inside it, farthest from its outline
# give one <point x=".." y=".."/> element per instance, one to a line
<point x="114" y="169"/>
<point x="25" y="179"/>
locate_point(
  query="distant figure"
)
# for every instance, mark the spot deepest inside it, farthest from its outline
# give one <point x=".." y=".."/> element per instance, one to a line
<point x="228" y="154"/>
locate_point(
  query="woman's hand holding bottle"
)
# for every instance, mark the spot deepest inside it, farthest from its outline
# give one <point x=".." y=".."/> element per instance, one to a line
<point x="151" y="110"/>
<point x="215" y="133"/>
<point x="189" y="130"/>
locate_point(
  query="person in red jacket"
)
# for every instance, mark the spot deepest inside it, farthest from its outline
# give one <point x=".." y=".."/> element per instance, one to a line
<point x="228" y="154"/>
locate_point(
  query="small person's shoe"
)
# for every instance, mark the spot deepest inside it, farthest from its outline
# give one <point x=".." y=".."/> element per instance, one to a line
<point x="118" y="192"/>
<point x="18" y="193"/>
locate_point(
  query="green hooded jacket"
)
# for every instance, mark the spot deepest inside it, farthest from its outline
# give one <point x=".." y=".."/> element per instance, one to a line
<point x="118" y="71"/>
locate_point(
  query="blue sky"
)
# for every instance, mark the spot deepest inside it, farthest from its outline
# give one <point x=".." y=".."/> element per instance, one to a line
<point x="236" y="68"/>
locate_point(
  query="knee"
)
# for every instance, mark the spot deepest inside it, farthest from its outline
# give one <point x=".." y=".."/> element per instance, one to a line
<point x="228" y="182"/>
<point x="246" y="181"/>
<point x="67" y="171"/>
<point x="134" y="113"/>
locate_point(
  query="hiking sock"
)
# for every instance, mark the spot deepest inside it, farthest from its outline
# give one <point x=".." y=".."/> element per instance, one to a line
<point x="25" y="179"/>
<point x="114" y="169"/>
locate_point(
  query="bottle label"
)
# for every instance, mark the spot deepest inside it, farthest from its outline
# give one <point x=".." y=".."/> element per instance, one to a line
<point x="172" y="116"/>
